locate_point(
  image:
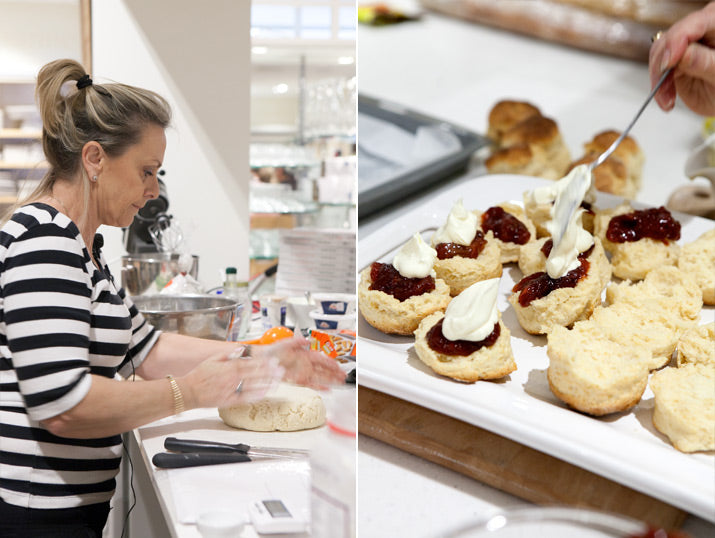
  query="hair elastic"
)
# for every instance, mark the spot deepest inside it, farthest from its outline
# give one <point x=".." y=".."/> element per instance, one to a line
<point x="83" y="82"/>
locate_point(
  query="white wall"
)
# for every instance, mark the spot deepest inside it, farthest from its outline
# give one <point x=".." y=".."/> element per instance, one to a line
<point x="34" y="33"/>
<point x="197" y="55"/>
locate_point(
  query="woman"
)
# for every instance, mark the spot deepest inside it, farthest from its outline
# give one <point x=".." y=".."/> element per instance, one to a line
<point x="66" y="329"/>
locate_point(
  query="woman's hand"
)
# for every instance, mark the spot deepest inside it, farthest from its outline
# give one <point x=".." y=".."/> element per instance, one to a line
<point x="689" y="47"/>
<point x="302" y="366"/>
<point x="215" y="381"/>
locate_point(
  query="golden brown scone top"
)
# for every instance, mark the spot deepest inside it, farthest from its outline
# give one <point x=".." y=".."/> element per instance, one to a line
<point x="627" y="149"/>
<point x="506" y="114"/>
<point x="536" y="130"/>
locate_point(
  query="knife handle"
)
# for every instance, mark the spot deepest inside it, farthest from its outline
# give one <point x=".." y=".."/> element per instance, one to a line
<point x="166" y="460"/>
<point x="196" y="445"/>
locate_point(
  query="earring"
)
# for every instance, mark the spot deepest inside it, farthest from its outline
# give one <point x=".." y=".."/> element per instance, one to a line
<point x="94" y="178"/>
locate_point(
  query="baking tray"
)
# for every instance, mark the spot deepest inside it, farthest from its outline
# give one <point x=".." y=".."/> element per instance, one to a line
<point x="375" y="195"/>
<point x="623" y="447"/>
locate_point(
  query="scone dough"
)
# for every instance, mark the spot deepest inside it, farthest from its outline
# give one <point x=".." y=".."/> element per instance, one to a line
<point x="685" y="406"/>
<point x="510" y="251"/>
<point x="564" y="306"/>
<point x="392" y="316"/>
<point x="289" y="408"/>
<point x="459" y="273"/>
<point x="593" y="374"/>
<point x="698" y="259"/>
<point x="486" y="363"/>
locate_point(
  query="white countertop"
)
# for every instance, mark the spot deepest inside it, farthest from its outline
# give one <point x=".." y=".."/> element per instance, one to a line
<point x="457" y="71"/>
<point x="205" y="424"/>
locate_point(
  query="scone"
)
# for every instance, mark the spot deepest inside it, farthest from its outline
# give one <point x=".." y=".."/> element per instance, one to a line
<point x="592" y="373"/>
<point x="522" y="159"/>
<point x="393" y="316"/>
<point x="698" y="259"/>
<point x="619" y="174"/>
<point x="665" y="289"/>
<point x="650" y="329"/>
<point x="488" y="362"/>
<point x="506" y="114"/>
<point x="638" y="241"/>
<point x="532" y="259"/>
<point x="510" y="227"/>
<point x="685" y="406"/>
<point x="544" y="133"/>
<point x="564" y="306"/>
<point x="461" y="271"/>
<point x="697" y="345"/>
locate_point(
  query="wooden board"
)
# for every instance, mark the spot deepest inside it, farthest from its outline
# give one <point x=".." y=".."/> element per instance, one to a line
<point x="582" y="24"/>
<point x="500" y="462"/>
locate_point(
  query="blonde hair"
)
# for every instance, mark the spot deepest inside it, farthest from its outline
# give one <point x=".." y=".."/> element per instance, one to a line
<point x="114" y="115"/>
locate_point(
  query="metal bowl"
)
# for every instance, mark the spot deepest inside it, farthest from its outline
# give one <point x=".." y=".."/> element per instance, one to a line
<point x="203" y="316"/>
<point x="144" y="274"/>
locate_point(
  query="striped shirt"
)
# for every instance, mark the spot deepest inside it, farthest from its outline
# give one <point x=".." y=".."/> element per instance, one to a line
<point x="61" y="319"/>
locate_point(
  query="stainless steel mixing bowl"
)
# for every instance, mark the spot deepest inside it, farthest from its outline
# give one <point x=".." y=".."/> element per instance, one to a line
<point x="144" y="274"/>
<point x="204" y="316"/>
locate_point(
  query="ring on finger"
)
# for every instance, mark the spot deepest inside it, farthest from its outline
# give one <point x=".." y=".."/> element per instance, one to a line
<point x="656" y="36"/>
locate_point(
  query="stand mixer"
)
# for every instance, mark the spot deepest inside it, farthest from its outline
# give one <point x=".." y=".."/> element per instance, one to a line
<point x="149" y="264"/>
<point x="137" y="237"/>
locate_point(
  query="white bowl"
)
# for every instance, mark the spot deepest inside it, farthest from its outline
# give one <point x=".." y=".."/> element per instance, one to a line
<point x="332" y="322"/>
<point x="335" y="303"/>
<point x="220" y="524"/>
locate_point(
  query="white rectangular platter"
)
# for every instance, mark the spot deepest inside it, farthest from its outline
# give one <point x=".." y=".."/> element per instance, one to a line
<point x="623" y="447"/>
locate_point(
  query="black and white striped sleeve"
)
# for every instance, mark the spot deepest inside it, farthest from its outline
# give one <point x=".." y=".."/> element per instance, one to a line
<point x="47" y="309"/>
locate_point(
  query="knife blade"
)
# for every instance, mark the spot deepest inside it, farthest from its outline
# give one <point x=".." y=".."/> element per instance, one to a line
<point x="212" y="447"/>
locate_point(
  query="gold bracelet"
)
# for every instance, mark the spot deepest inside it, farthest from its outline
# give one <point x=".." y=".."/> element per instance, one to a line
<point x="176" y="393"/>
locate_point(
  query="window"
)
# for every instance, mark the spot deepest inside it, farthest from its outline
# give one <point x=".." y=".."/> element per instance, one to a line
<point x="314" y="20"/>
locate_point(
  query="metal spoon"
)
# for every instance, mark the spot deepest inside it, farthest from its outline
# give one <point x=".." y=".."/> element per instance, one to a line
<point x="606" y="154"/>
<point x="575" y="203"/>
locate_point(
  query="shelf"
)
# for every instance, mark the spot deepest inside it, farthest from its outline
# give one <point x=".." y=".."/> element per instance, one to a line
<point x="20" y="134"/>
<point x="22" y="166"/>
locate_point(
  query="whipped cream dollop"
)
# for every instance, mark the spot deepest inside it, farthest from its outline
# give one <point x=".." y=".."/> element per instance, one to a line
<point x="566" y="227"/>
<point x="564" y="254"/>
<point x="460" y="227"/>
<point x="415" y="258"/>
<point x="548" y="193"/>
<point x="472" y="314"/>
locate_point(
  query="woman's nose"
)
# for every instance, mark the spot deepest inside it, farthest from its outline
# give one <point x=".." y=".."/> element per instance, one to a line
<point x="152" y="190"/>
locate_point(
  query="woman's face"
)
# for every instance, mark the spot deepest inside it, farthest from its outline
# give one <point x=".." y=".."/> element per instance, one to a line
<point x="125" y="183"/>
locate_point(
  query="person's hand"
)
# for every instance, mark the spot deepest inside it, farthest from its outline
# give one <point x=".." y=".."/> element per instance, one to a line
<point x="302" y="365"/>
<point x="215" y="381"/>
<point x="689" y="47"/>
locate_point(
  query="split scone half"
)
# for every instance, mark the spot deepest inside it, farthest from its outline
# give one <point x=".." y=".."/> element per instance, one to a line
<point x="392" y="316"/>
<point x="698" y="259"/>
<point x="592" y="373"/>
<point x="562" y="307"/>
<point x="461" y="272"/>
<point x="632" y="260"/>
<point x="503" y="225"/>
<point x="697" y="345"/>
<point x="685" y="406"/>
<point x="488" y="362"/>
<point x="665" y="290"/>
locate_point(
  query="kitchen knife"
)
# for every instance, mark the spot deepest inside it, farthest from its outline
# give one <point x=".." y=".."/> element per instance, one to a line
<point x="211" y="447"/>
<point x="169" y="460"/>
